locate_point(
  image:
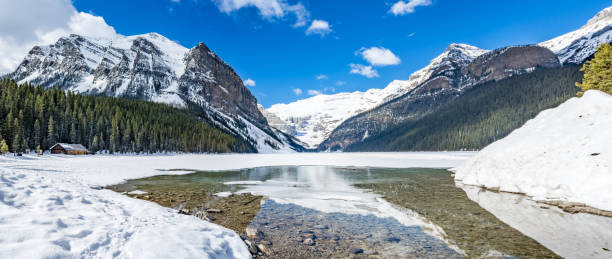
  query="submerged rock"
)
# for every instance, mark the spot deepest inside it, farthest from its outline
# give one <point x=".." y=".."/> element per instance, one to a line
<point x="309" y="242"/>
<point x="356" y="250"/>
<point x="252" y="232"/>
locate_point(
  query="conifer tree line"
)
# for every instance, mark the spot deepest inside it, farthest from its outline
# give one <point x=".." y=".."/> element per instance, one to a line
<point x="484" y="114"/>
<point x="34" y="118"/>
<point x="598" y="71"/>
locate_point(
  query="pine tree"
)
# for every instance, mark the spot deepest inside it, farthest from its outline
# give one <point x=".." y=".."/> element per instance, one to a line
<point x="3" y="147"/>
<point x="598" y="71"/>
<point x="37" y="135"/>
<point x="94" y="144"/>
<point x="51" y="139"/>
<point x="16" y="143"/>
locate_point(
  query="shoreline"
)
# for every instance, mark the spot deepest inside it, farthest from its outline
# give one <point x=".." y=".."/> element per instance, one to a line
<point x="566" y="206"/>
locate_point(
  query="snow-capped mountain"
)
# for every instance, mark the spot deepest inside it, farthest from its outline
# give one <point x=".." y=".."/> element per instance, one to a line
<point x="153" y="68"/>
<point x="455" y="73"/>
<point x="312" y="119"/>
<point x="575" y="47"/>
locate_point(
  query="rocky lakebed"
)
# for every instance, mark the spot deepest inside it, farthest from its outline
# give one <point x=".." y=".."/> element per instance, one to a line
<point x="350" y="212"/>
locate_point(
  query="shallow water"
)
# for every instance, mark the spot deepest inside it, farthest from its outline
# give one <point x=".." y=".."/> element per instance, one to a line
<point x="322" y="211"/>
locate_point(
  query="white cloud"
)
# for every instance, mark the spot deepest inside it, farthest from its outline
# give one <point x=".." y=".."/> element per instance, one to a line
<point x="363" y="70"/>
<point x="329" y="89"/>
<point x="379" y="56"/>
<point x="297" y="91"/>
<point x="25" y="24"/>
<point x="268" y="9"/>
<point x="249" y="82"/>
<point x="314" y="92"/>
<point x="319" y="27"/>
<point x="401" y="7"/>
<point x="321" y="77"/>
<point x="340" y="83"/>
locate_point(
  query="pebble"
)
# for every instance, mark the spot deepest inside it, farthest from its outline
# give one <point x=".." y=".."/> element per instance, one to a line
<point x="321" y="227"/>
<point x="264" y="249"/>
<point x="356" y="250"/>
<point x="252" y="232"/>
<point x="252" y="248"/>
<point x="393" y="240"/>
<point x="308" y="242"/>
<point x="311" y="236"/>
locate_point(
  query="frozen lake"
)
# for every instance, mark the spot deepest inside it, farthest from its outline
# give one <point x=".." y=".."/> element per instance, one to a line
<point x="383" y="204"/>
<point x="330" y="211"/>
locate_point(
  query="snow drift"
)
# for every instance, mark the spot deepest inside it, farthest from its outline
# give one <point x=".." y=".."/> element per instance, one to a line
<point x="563" y="154"/>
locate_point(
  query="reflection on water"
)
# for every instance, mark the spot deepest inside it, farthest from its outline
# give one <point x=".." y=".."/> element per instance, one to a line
<point x="570" y="235"/>
<point x="328" y="193"/>
<point x="327" y="211"/>
<point x="433" y="194"/>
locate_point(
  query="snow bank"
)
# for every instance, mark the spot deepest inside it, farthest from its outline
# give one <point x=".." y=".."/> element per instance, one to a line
<point x="49" y="209"/>
<point x="47" y="213"/>
<point x="564" y="153"/>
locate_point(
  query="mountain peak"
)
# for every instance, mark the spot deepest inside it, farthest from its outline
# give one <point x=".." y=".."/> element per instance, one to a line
<point x="577" y="46"/>
<point x="469" y="50"/>
<point x="154" y="68"/>
<point x="604" y="15"/>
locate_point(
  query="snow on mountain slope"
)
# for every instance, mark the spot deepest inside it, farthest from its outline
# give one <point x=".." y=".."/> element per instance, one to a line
<point x="153" y="68"/>
<point x="576" y="46"/>
<point x="565" y="153"/>
<point x="311" y="120"/>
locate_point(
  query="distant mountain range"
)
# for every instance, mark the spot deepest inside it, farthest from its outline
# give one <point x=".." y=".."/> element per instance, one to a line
<point x="335" y="122"/>
<point x="153" y="68"/>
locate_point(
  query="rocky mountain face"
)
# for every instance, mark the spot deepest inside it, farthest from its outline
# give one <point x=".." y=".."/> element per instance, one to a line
<point x="153" y="68"/>
<point x="313" y="119"/>
<point x="573" y="48"/>
<point x="276" y="122"/>
<point x="457" y="72"/>
<point x="577" y="46"/>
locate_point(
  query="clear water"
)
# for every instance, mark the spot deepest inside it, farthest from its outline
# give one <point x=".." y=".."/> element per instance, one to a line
<point x="322" y="211"/>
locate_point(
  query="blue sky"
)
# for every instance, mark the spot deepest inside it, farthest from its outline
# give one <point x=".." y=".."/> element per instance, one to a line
<point x="280" y="56"/>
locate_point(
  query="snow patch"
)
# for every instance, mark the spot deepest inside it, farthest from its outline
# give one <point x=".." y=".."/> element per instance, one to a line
<point x="137" y="192"/>
<point x="564" y="153"/>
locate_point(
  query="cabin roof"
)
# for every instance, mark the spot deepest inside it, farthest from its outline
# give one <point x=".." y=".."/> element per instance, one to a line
<point x="70" y="147"/>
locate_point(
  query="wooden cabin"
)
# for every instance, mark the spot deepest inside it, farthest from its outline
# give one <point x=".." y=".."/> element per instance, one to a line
<point x="68" y="149"/>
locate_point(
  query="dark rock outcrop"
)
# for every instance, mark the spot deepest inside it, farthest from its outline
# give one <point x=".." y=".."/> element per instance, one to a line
<point x="151" y="67"/>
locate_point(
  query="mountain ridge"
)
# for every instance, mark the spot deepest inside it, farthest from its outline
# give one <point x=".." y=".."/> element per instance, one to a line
<point x="571" y="48"/>
<point x="151" y="67"/>
<point x="443" y="87"/>
<point x="313" y="125"/>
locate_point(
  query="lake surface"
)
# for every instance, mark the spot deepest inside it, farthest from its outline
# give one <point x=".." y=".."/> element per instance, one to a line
<point x="325" y="211"/>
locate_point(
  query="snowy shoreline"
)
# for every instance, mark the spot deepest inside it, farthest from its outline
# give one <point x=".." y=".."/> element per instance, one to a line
<point x="563" y="156"/>
<point x="48" y="203"/>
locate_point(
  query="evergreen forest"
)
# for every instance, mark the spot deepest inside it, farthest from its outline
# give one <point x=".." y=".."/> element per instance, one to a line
<point x="482" y="115"/>
<point x="32" y="117"/>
